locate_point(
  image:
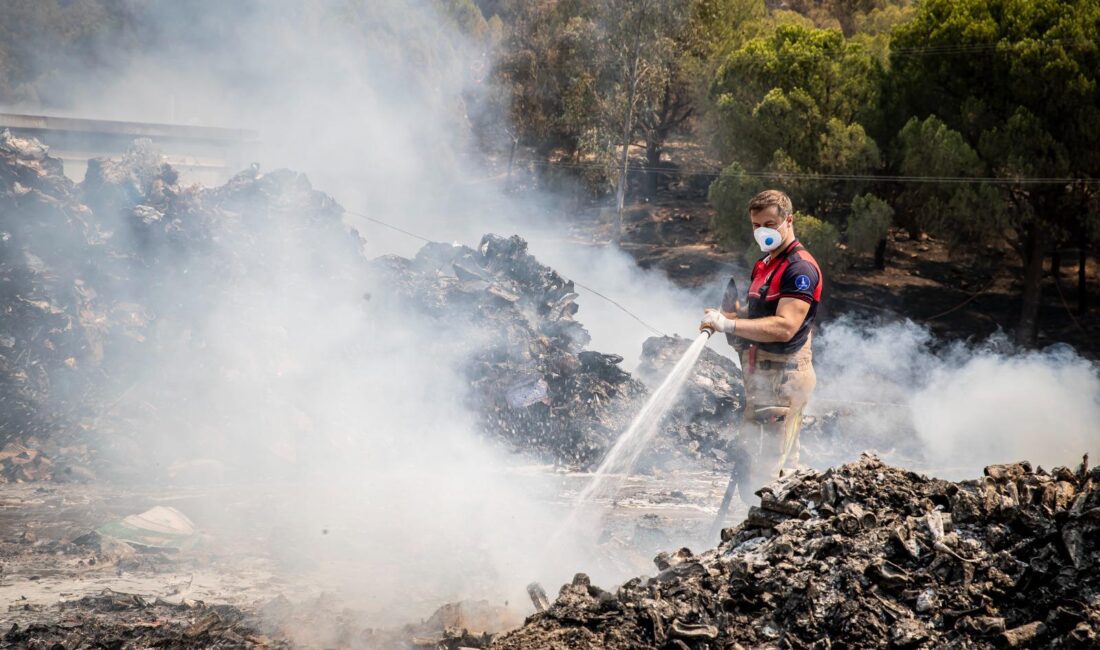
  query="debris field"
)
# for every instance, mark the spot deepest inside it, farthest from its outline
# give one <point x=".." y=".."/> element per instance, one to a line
<point x="79" y="327"/>
<point x="864" y="555"/>
<point x="860" y="555"/>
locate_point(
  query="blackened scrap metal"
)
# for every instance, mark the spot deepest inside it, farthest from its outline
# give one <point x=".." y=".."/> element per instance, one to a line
<point x="893" y="559"/>
<point x="538" y="597"/>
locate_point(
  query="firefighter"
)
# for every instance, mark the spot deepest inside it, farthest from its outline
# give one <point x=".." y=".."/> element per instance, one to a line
<point x="772" y="335"/>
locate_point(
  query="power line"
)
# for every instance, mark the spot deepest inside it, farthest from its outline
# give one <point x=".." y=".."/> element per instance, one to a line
<point x="390" y="226"/>
<point x="1008" y="46"/>
<point x="575" y="282"/>
<point x="624" y="309"/>
<point x="893" y="178"/>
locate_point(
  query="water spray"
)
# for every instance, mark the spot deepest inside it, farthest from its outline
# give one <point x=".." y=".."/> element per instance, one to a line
<point x="628" y="448"/>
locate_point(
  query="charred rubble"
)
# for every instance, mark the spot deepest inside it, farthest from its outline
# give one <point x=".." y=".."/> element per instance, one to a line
<point x="101" y="279"/>
<point x="865" y="555"/>
<point x="83" y="276"/>
<point x="709" y="408"/>
<point x="114" y="619"/>
<point x="533" y="383"/>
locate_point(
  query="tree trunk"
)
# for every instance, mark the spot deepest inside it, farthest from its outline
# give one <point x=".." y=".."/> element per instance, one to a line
<point x="653" y="150"/>
<point x="1082" y="279"/>
<point x="880" y="254"/>
<point x="620" y="191"/>
<point x="511" y="159"/>
<point x="628" y="128"/>
<point x="1034" y="247"/>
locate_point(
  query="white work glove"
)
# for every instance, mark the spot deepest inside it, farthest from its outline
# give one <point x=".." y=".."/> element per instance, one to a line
<point x="716" y="322"/>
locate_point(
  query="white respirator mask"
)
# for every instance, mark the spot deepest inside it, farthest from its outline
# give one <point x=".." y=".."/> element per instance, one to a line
<point x="769" y="239"/>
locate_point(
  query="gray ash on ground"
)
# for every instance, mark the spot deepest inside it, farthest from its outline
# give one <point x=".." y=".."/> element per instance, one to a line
<point x="119" y="620"/>
<point x="323" y="622"/>
<point x="122" y="620"/>
<point x="865" y="555"/>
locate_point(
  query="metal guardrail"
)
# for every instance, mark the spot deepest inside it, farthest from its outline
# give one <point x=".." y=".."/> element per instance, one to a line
<point x="203" y="153"/>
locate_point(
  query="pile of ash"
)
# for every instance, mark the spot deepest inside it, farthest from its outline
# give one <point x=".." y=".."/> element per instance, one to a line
<point x="107" y="288"/>
<point x="865" y="555"/>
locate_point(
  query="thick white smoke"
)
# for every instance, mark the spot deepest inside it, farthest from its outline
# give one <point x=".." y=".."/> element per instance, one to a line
<point x="388" y="493"/>
<point x="987" y="408"/>
<point x="956" y="408"/>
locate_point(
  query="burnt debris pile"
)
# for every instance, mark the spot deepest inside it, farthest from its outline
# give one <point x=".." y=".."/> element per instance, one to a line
<point x="532" y="381"/>
<point x="104" y="282"/>
<point x="865" y="555"/>
<point x="710" y="405"/>
<point x="116" y="292"/>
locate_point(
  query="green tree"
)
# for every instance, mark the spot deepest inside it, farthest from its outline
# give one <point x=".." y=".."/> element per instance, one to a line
<point x="868" y="227"/>
<point x="45" y="43"/>
<point x="641" y="54"/>
<point x="547" y="69"/>
<point x="717" y="29"/>
<point x="588" y="79"/>
<point x="851" y="16"/>
<point x="822" y="239"/>
<point x="961" y="213"/>
<point x="778" y="89"/>
<point x="1019" y="82"/>
<point x="730" y="194"/>
<point x="792" y="105"/>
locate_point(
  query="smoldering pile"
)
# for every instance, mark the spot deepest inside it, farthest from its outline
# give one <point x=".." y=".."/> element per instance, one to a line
<point x="709" y="408"/>
<point x="533" y="383"/>
<point x="105" y="282"/>
<point x="865" y="555"/>
<point x="102" y="280"/>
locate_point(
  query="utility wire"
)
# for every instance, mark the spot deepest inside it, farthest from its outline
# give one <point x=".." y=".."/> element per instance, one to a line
<point x="390" y="226"/>
<point x="575" y="282"/>
<point x="966" y="48"/>
<point x="1069" y="312"/>
<point x="894" y="178"/>
<point x="624" y="309"/>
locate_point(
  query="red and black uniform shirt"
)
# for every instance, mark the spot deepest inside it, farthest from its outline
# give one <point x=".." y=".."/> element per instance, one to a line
<point x="794" y="273"/>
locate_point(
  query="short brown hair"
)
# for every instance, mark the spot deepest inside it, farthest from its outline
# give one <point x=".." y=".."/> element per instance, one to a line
<point x="768" y="198"/>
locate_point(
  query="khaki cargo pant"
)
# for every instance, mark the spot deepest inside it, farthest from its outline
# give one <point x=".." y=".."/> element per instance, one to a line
<point x="777" y="387"/>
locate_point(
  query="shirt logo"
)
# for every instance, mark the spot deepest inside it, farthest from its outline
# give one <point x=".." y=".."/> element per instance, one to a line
<point x="802" y="283"/>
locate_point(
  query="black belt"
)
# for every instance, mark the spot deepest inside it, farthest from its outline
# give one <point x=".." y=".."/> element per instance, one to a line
<point x="765" y="364"/>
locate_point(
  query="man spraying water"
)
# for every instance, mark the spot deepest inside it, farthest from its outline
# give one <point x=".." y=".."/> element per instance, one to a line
<point x="772" y="335"/>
